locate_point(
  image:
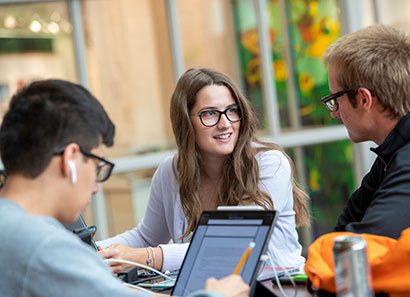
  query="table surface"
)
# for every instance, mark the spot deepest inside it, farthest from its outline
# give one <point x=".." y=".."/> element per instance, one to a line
<point x="288" y="289"/>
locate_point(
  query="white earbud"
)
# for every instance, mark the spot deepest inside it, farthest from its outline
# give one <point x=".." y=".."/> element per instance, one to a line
<point x="73" y="171"/>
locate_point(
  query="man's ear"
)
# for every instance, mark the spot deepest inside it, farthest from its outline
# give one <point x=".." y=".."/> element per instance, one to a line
<point x="365" y="99"/>
<point x="68" y="161"/>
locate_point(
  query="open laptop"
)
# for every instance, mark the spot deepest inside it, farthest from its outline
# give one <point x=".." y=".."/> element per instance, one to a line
<point x="218" y="244"/>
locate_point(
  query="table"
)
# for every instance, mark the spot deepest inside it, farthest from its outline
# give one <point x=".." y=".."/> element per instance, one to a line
<point x="288" y="289"/>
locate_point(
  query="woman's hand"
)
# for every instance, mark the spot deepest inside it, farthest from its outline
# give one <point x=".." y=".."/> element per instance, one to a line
<point x="122" y="252"/>
<point x="138" y="255"/>
<point x="230" y="286"/>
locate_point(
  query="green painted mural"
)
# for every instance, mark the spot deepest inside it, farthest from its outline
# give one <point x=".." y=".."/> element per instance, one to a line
<point x="311" y="25"/>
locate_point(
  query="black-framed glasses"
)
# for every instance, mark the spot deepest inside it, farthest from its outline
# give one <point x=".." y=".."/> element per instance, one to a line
<point x="104" y="167"/>
<point x="330" y="101"/>
<point x="211" y="117"/>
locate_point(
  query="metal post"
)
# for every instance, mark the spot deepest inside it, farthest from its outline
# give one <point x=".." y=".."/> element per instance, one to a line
<point x="376" y="11"/>
<point x="351" y="20"/>
<point x="78" y="40"/>
<point x="268" y="75"/>
<point x="98" y="205"/>
<point x="350" y="15"/>
<point x="299" y="158"/>
<point x="175" y="38"/>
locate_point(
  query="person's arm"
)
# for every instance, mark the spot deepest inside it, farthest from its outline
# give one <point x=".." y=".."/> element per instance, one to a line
<point x="276" y="181"/>
<point x="167" y="257"/>
<point x="137" y="255"/>
<point x="152" y="231"/>
<point x="173" y="255"/>
<point x="230" y="286"/>
<point x="387" y="213"/>
<point x="153" y="228"/>
<point x="64" y="266"/>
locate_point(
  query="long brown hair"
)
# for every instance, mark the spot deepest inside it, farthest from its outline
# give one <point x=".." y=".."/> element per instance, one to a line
<point x="240" y="170"/>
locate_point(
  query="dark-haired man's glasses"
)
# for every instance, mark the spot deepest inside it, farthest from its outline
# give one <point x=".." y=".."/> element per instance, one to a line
<point x="330" y="101"/>
<point x="104" y="167"/>
<point x="211" y="117"/>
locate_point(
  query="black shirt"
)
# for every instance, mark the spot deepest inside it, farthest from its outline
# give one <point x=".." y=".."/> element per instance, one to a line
<point x="382" y="203"/>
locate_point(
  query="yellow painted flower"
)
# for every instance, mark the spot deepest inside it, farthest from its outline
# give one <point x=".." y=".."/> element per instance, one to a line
<point x="314" y="179"/>
<point x="324" y="33"/>
<point x="250" y="40"/>
<point x="281" y="73"/>
<point x="313" y="8"/>
<point x="306" y="82"/>
<point x="253" y="73"/>
<point x="304" y="111"/>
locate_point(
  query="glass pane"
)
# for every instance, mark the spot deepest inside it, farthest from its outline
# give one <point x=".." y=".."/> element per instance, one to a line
<point x="35" y="43"/>
<point x="126" y="196"/>
<point x="313" y="26"/>
<point x="329" y="179"/>
<point x="396" y="15"/>
<point x="207" y="35"/>
<point x="249" y="56"/>
<point x="130" y="70"/>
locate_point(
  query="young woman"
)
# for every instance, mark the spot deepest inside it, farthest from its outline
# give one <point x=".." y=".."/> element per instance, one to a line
<point x="219" y="163"/>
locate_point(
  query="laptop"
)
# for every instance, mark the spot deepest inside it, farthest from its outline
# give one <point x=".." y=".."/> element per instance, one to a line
<point x="219" y="242"/>
<point x="79" y="227"/>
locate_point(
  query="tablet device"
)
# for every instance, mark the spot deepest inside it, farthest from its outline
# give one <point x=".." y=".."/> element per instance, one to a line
<point x="241" y="207"/>
<point x="219" y="242"/>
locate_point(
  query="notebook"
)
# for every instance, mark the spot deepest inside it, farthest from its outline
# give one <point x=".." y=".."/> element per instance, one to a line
<point x="219" y="242"/>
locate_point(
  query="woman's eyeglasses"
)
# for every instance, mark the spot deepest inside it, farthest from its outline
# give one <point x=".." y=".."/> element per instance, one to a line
<point x="211" y="117"/>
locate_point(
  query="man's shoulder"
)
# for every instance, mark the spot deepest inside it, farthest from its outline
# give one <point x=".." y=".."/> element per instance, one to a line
<point x="404" y="150"/>
<point x="401" y="158"/>
<point x="34" y="237"/>
<point x="40" y="249"/>
<point x="18" y="227"/>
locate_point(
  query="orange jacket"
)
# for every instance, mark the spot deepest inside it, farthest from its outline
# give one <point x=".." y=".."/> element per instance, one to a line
<point x="389" y="260"/>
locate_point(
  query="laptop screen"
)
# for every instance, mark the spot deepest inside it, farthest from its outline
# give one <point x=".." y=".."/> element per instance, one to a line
<point x="218" y="244"/>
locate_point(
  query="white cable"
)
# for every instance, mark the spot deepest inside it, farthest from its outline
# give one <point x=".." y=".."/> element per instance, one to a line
<point x="277" y="278"/>
<point x="139" y="265"/>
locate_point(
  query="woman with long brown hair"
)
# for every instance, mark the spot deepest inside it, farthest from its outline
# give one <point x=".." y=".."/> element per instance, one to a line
<point x="219" y="163"/>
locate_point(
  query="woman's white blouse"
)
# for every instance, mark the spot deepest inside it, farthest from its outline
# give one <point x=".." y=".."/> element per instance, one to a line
<point x="164" y="219"/>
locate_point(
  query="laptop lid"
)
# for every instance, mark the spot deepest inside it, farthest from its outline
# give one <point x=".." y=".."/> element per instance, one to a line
<point x="219" y="242"/>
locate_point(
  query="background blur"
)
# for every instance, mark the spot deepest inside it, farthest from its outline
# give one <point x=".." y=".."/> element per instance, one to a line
<point x="130" y="53"/>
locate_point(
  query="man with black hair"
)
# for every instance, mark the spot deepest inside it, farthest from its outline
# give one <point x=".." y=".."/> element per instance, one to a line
<point x="51" y="145"/>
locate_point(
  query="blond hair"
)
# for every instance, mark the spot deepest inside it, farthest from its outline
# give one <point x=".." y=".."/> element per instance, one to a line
<point x="241" y="169"/>
<point x="377" y="58"/>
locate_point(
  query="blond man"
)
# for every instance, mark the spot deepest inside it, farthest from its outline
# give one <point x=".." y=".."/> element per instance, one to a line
<point x="369" y="82"/>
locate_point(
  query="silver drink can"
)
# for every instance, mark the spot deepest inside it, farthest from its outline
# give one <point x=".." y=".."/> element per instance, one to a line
<point x="352" y="273"/>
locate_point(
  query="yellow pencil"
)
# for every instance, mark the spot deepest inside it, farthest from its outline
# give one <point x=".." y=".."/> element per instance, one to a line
<point x="244" y="257"/>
